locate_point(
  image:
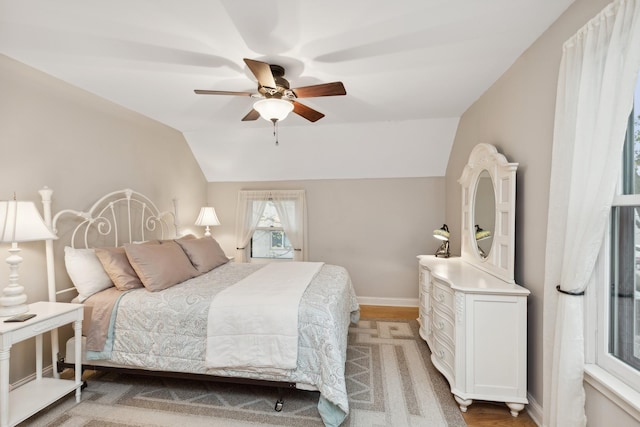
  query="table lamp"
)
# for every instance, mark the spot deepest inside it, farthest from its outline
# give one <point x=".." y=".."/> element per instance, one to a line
<point x="442" y="233"/>
<point x="481" y="234"/>
<point x="207" y="218"/>
<point x="19" y="222"/>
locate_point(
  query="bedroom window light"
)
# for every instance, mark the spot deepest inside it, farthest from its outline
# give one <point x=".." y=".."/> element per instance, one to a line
<point x="269" y="241"/>
<point x="271" y="225"/>
<point x="618" y="301"/>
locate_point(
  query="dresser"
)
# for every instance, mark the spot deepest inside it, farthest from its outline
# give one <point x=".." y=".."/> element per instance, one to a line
<point x="476" y="327"/>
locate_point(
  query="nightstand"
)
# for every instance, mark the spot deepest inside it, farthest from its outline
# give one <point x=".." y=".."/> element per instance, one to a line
<point x="24" y="401"/>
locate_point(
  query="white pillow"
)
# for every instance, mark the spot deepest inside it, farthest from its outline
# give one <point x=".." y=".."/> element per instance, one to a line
<point x="86" y="272"/>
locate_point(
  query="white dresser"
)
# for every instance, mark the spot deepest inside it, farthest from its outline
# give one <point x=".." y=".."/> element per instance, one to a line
<point x="476" y="327"/>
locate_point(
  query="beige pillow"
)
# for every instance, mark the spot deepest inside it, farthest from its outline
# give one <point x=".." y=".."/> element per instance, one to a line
<point x="117" y="265"/>
<point x="160" y="266"/>
<point x="205" y="253"/>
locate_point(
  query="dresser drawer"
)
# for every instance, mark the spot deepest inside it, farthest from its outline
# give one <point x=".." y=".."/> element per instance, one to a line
<point x="442" y="297"/>
<point x="444" y="356"/>
<point x="443" y="326"/>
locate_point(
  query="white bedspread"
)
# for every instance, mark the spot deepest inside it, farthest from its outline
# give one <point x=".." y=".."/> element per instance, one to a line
<point x="254" y="323"/>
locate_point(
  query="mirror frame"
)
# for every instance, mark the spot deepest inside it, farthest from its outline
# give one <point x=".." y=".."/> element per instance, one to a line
<point x="500" y="259"/>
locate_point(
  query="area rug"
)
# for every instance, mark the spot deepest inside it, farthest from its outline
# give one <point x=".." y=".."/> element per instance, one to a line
<point x="390" y="382"/>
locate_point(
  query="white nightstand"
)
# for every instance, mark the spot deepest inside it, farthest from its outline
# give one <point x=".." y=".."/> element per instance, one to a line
<point x="26" y="400"/>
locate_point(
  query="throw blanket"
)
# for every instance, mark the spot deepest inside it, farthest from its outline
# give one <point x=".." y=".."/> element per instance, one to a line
<point x="102" y="310"/>
<point x="254" y="323"/>
<point x="98" y="309"/>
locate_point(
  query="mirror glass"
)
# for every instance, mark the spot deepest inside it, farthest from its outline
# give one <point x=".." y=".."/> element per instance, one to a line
<point x="484" y="214"/>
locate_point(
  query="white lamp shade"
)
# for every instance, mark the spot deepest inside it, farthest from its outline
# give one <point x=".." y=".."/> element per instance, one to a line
<point x="207" y="217"/>
<point x="441" y="233"/>
<point x="21" y="222"/>
<point x="273" y="109"/>
<point x="482" y="234"/>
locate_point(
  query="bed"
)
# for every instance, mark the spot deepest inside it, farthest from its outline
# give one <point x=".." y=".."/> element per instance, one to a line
<point x="182" y="322"/>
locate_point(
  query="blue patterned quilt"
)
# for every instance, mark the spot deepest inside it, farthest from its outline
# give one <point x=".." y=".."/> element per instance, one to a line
<point x="167" y="330"/>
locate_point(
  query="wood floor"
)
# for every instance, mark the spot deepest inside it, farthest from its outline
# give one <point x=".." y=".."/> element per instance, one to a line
<point x="479" y="414"/>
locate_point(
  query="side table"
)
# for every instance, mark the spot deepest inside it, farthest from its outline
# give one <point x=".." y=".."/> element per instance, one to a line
<point x="24" y="401"/>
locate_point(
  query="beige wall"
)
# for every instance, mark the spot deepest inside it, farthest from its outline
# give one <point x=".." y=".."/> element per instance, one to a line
<point x="517" y="115"/>
<point x="82" y="147"/>
<point x="373" y="227"/>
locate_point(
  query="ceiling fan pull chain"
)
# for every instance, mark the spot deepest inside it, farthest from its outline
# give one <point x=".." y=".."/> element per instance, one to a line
<point x="275" y="130"/>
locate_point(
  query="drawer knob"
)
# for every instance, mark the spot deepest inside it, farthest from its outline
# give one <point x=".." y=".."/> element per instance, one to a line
<point x="440" y="297"/>
<point x="441" y="354"/>
<point x="440" y="325"/>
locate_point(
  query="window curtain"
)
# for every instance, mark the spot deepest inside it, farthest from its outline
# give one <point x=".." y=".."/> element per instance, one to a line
<point x="597" y="77"/>
<point x="249" y="210"/>
<point x="292" y="210"/>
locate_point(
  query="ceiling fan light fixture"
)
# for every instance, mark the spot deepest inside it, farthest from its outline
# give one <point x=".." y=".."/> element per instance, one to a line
<point x="273" y="109"/>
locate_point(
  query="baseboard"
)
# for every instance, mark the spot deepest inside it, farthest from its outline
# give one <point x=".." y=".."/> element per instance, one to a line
<point x="393" y="302"/>
<point x="534" y="410"/>
<point x="46" y="372"/>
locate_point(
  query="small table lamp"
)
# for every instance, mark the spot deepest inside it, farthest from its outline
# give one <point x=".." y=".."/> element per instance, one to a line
<point x="442" y="233"/>
<point x="481" y="234"/>
<point x="19" y="222"/>
<point x="207" y="217"/>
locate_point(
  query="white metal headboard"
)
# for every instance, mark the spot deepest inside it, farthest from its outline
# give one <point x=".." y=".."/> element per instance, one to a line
<point x="123" y="216"/>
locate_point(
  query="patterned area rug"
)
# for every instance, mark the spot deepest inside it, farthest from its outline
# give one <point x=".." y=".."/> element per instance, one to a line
<point x="390" y="381"/>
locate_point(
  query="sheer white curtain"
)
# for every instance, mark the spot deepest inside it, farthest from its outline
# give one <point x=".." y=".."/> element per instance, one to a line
<point x="249" y="210"/>
<point x="292" y="210"/>
<point x="291" y="206"/>
<point x="595" y="94"/>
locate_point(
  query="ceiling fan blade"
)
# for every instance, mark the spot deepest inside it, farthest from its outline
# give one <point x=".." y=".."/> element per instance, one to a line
<point x="251" y="115"/>
<point x="307" y="112"/>
<point x="262" y="71"/>
<point x="221" y="92"/>
<point x="325" y="89"/>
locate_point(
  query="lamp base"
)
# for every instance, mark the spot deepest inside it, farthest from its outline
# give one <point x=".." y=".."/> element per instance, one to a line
<point x="13" y="299"/>
<point x="13" y="310"/>
<point x="443" y="250"/>
<point x="481" y="252"/>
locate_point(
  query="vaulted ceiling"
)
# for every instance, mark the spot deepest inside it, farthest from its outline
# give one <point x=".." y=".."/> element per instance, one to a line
<point x="410" y="68"/>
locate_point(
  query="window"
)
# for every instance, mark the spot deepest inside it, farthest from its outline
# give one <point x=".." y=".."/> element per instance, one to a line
<point x="269" y="239"/>
<point x="618" y="349"/>
<point x="271" y="225"/>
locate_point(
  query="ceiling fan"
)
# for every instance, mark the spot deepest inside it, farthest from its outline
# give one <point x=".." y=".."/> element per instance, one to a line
<point x="277" y="98"/>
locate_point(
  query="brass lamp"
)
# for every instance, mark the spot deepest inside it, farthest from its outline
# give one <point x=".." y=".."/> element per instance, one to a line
<point x="481" y="234"/>
<point x="442" y="233"/>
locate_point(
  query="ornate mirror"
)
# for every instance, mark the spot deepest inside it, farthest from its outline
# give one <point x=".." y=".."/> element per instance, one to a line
<point x="488" y="211"/>
<point x="484" y="213"/>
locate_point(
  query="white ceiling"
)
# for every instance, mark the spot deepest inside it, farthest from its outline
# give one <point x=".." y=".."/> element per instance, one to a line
<point x="410" y="68"/>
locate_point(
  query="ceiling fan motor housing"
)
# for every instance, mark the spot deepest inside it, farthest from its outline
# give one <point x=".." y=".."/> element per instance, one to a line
<point x="282" y="89"/>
